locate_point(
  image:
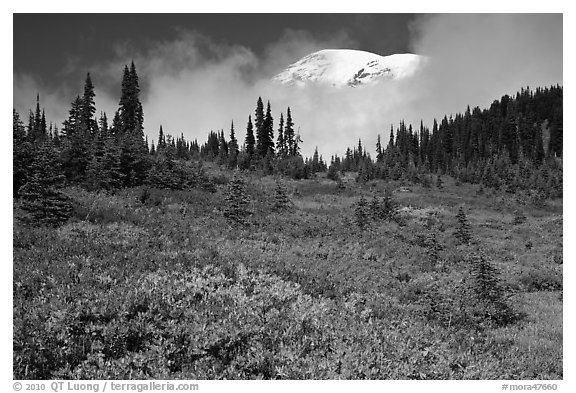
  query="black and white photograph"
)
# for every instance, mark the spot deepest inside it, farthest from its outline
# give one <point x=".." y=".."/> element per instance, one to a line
<point x="286" y="196"/>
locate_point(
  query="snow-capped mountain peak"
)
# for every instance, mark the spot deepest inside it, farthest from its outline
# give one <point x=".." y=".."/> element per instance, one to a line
<point x="348" y="67"/>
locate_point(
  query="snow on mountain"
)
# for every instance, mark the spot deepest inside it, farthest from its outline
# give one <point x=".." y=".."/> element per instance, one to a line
<point x="348" y="67"/>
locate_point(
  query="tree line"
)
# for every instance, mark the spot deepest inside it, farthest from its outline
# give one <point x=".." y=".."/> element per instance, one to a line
<point x="515" y="144"/>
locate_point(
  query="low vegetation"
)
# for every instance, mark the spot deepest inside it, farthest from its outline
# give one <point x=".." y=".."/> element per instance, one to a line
<point x="152" y="282"/>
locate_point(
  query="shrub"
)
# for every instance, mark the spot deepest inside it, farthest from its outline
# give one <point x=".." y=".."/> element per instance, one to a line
<point x="536" y="280"/>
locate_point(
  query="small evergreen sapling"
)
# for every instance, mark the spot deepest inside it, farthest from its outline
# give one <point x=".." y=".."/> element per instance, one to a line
<point x="237" y="201"/>
<point x="463" y="229"/>
<point x="519" y="217"/>
<point x="433" y="249"/>
<point x="439" y="182"/>
<point x="281" y="200"/>
<point x="489" y="293"/>
<point x="361" y="216"/>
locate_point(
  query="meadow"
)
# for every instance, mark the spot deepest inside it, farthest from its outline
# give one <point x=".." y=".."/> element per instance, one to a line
<point x="151" y="283"/>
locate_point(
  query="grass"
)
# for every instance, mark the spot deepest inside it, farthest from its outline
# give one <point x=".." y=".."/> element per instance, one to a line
<point x="165" y="287"/>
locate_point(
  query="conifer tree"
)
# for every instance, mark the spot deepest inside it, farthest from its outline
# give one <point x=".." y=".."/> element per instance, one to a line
<point x="389" y="210"/>
<point x="41" y="197"/>
<point x="439" y="182"/>
<point x="490" y="295"/>
<point x="281" y="143"/>
<point x="236" y="209"/>
<point x="361" y="215"/>
<point x="519" y="217"/>
<point x="22" y="154"/>
<point x="264" y="130"/>
<point x="76" y="144"/>
<point x="433" y="249"/>
<point x="261" y="134"/>
<point x="87" y="119"/>
<point x="315" y="164"/>
<point x="376" y="208"/>
<point x="233" y="149"/>
<point x="250" y="141"/>
<point x="281" y="200"/>
<point x="269" y="128"/>
<point x="222" y="148"/>
<point x="161" y="140"/>
<point x="379" y="151"/>
<point x="289" y="135"/>
<point x="133" y="158"/>
<point x="463" y="228"/>
<point x="43" y="125"/>
<point x="37" y="127"/>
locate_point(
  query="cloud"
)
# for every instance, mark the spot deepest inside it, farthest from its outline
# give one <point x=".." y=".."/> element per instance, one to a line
<point x="478" y="58"/>
<point x="192" y="85"/>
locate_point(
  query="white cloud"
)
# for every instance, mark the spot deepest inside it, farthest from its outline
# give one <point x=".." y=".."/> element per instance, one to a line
<point x="193" y="85"/>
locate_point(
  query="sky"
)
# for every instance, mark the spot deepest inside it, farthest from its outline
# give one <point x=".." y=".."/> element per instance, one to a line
<point x="199" y="72"/>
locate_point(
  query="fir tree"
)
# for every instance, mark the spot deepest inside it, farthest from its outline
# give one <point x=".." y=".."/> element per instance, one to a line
<point x="76" y="144"/>
<point x="261" y="133"/>
<point x="250" y="141"/>
<point x="389" y="210"/>
<point x="233" y="149"/>
<point x="236" y="209"/>
<point x="222" y="148"/>
<point x="519" y="217"/>
<point x="376" y="208"/>
<point x="379" y="151"/>
<point x="315" y="164"/>
<point x="439" y="182"/>
<point x="22" y="154"/>
<point x="133" y="158"/>
<point x="361" y="215"/>
<point x="462" y="233"/>
<point x="281" y="200"/>
<point x="289" y="135"/>
<point x="281" y="143"/>
<point x="88" y="110"/>
<point x="161" y="139"/>
<point x="264" y="130"/>
<point x="490" y="296"/>
<point x="433" y="249"/>
<point x="41" y="197"/>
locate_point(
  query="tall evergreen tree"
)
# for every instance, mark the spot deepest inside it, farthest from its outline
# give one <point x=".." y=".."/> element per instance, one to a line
<point x="22" y="154"/>
<point x="76" y="147"/>
<point x="289" y="135"/>
<point x="233" y="149"/>
<point x="281" y="143"/>
<point x="88" y="111"/>
<point x="269" y="129"/>
<point x="250" y="142"/>
<point x="134" y="151"/>
<point x="261" y="134"/>
<point x="161" y="139"/>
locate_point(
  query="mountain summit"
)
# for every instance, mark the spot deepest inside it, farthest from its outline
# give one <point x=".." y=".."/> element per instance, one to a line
<point x="348" y="67"/>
